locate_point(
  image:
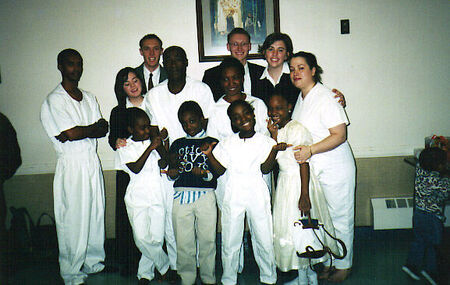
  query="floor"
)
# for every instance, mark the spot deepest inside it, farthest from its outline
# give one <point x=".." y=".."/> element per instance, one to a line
<point x="378" y="257"/>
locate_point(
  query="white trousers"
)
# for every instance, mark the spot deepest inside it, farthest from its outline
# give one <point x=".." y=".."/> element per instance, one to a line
<point x="255" y="203"/>
<point x="79" y="202"/>
<point x="147" y="219"/>
<point x="338" y="183"/>
<point x="169" y="234"/>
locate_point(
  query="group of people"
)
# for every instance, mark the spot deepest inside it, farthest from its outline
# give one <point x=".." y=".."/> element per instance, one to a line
<point x="185" y="147"/>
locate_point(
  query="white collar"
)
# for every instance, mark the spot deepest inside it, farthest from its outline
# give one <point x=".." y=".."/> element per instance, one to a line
<point x="155" y="72"/>
<point x="197" y="136"/>
<point x="266" y="74"/>
<point x="128" y="104"/>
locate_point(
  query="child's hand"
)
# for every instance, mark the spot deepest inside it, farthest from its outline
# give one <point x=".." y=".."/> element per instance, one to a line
<point x="304" y="205"/>
<point x="207" y="148"/>
<point x="155" y="142"/>
<point x="281" y="146"/>
<point x="273" y="128"/>
<point x="197" y="171"/>
<point x="171" y="172"/>
<point x="120" y="143"/>
<point x="163" y="134"/>
<point x="162" y="163"/>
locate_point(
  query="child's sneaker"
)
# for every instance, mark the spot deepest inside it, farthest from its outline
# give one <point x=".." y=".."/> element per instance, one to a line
<point x="431" y="278"/>
<point x="411" y="271"/>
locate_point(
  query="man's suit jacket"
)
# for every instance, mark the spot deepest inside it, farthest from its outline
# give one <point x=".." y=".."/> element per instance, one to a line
<point x="140" y="73"/>
<point x="212" y="78"/>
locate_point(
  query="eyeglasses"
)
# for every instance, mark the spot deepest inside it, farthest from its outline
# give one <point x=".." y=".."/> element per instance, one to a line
<point x="244" y="44"/>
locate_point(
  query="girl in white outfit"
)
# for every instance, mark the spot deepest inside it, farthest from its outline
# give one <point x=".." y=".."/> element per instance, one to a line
<point x="330" y="154"/>
<point x="298" y="193"/>
<point x="245" y="156"/>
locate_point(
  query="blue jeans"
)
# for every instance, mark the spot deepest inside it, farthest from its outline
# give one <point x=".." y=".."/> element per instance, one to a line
<point x="427" y="229"/>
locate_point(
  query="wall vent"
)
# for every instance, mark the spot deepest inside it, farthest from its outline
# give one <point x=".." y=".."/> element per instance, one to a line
<point x="396" y="213"/>
<point x="392" y="213"/>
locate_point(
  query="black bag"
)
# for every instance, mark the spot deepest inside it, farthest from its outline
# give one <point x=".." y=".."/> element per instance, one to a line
<point x="21" y="231"/>
<point x="44" y="236"/>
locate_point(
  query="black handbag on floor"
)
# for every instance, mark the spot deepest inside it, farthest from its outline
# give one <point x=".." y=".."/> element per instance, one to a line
<point x="44" y="236"/>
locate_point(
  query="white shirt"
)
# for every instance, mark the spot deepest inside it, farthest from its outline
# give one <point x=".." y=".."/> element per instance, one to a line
<point x="266" y="74"/>
<point x="219" y="124"/>
<point x="242" y="159"/>
<point x="145" y="184"/>
<point x="128" y="104"/>
<point x="156" y="73"/>
<point x="247" y="80"/>
<point x="60" y="112"/>
<point x="163" y="106"/>
<point x="319" y="112"/>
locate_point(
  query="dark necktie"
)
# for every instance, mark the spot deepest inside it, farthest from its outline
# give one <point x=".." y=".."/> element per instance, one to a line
<point x="150" y="82"/>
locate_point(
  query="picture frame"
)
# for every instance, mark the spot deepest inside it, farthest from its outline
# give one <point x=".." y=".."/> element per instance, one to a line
<point x="216" y="18"/>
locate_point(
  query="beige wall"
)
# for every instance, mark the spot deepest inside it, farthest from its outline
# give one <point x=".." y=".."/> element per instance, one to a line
<point x="376" y="177"/>
<point x="393" y="67"/>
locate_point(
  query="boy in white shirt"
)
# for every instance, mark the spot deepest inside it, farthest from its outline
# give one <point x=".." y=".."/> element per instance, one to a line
<point x="144" y="198"/>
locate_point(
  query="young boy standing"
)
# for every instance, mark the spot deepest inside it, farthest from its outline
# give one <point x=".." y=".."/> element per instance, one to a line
<point x="432" y="186"/>
<point x="194" y="211"/>
<point x="71" y="117"/>
<point x="144" y="198"/>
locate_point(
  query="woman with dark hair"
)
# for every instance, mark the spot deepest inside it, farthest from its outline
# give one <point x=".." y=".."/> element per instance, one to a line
<point x="128" y="89"/>
<point x="330" y="154"/>
<point x="276" y="49"/>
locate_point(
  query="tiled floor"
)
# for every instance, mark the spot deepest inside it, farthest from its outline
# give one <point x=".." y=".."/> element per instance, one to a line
<point x="378" y="257"/>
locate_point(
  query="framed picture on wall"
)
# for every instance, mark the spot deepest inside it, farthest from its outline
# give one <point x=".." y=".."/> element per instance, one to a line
<point x="216" y="18"/>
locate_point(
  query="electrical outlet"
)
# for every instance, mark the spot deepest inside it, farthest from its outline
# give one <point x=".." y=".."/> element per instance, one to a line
<point x="345" y="26"/>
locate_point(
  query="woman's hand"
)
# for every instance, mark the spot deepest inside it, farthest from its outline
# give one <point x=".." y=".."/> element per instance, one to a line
<point x="304" y="205"/>
<point x="340" y="97"/>
<point x="273" y="128"/>
<point x="303" y="153"/>
<point x="120" y="143"/>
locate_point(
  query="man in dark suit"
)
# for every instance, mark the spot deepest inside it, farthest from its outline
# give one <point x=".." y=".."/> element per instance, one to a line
<point x="150" y="47"/>
<point x="239" y="46"/>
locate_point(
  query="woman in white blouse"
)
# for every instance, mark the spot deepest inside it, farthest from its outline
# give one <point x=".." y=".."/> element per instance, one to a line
<point x="330" y="152"/>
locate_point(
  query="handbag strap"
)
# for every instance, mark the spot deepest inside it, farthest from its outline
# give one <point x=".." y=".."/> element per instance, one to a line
<point x="38" y="223"/>
<point x="344" y="248"/>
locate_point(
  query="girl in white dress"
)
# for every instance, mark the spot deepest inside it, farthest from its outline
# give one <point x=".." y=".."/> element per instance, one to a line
<point x="298" y="192"/>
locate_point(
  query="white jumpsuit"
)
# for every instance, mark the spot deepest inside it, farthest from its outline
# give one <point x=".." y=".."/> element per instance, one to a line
<point x="162" y="107"/>
<point x="246" y="194"/>
<point x="335" y="169"/>
<point x="78" y="188"/>
<point x="144" y="200"/>
<point x="219" y="127"/>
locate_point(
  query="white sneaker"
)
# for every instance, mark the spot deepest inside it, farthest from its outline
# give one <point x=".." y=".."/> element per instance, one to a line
<point x="411" y="271"/>
<point x="428" y="277"/>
